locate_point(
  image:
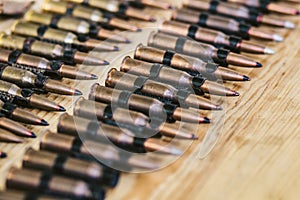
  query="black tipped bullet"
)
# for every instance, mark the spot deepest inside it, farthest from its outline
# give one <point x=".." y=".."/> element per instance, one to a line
<point x="60" y="108"/>
<point x="93" y="77"/>
<point x="44" y="123"/>
<point x="206" y="120"/>
<point x="258" y="64"/>
<point x="246" y="78"/>
<point x="77" y="92"/>
<point x="116" y="48"/>
<point x="3" y="155"/>
<point x="31" y="135"/>
<point x="106" y="62"/>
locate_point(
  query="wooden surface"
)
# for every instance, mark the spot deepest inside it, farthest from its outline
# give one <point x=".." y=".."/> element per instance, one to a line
<point x="257" y="154"/>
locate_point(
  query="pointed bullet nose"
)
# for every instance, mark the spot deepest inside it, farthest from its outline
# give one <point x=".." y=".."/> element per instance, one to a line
<point x="93" y="77"/>
<point x="105" y="62"/>
<point x="32" y="135"/>
<point x="152" y="19"/>
<point x="127" y="41"/>
<point x="77" y="92"/>
<point x="194" y="137"/>
<point x="116" y="48"/>
<point x="3" y="155"/>
<point x="236" y="94"/>
<point x="206" y="120"/>
<point x="258" y="64"/>
<point x="44" y="123"/>
<point x="218" y="107"/>
<point x="60" y="108"/>
<point x="246" y="78"/>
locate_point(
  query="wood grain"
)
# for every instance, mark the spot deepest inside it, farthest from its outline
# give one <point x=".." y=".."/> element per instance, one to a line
<point x="257" y="154"/>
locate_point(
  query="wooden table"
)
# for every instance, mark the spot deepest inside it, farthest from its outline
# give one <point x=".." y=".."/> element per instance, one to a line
<point x="256" y="156"/>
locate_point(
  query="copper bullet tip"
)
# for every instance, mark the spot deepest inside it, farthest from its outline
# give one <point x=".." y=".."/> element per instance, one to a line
<point x="60" y="108"/>
<point x="3" y="155"/>
<point x="206" y="120"/>
<point x="77" y="92"/>
<point x="44" y="123"/>
<point x="258" y="64"/>
<point x="246" y="78"/>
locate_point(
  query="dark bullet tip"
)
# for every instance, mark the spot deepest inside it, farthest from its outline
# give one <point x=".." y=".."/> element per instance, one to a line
<point x="77" y="92"/>
<point x="152" y="19"/>
<point x="127" y="41"/>
<point x="194" y="137"/>
<point x="3" y="155"/>
<point x="246" y="78"/>
<point x="139" y="30"/>
<point x="32" y="135"/>
<point x="206" y="120"/>
<point x="60" y="108"/>
<point x="258" y="64"/>
<point x="93" y="76"/>
<point x="116" y="48"/>
<point x="105" y="62"/>
<point x="44" y="122"/>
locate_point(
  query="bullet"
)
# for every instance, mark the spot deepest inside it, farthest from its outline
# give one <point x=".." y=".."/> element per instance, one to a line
<point x="91" y="149"/>
<point x="44" y="66"/>
<point x="51" y="51"/>
<point x="23" y="195"/>
<point x="15" y="127"/>
<point x="115" y="6"/>
<point x="61" y="37"/>
<point x="88" y="13"/>
<point x="152" y="3"/>
<point x="89" y="171"/>
<point x="136" y="122"/>
<point x="237" y="11"/>
<point x="211" y="71"/>
<point x="176" y="78"/>
<point x="27" y="79"/>
<point x="153" y="108"/>
<point x="227" y="25"/>
<point x="9" y="137"/>
<point x="95" y="130"/>
<point x="13" y="8"/>
<point x="161" y="91"/>
<point x="199" y="50"/>
<point x="3" y="155"/>
<point x="217" y="38"/>
<point x="48" y="183"/>
<point x="73" y="25"/>
<point x="99" y="111"/>
<point x="12" y="111"/>
<point x="25" y="97"/>
<point x="267" y="5"/>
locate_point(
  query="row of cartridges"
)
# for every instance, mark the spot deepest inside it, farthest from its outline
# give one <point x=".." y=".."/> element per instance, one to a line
<point x="148" y="106"/>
